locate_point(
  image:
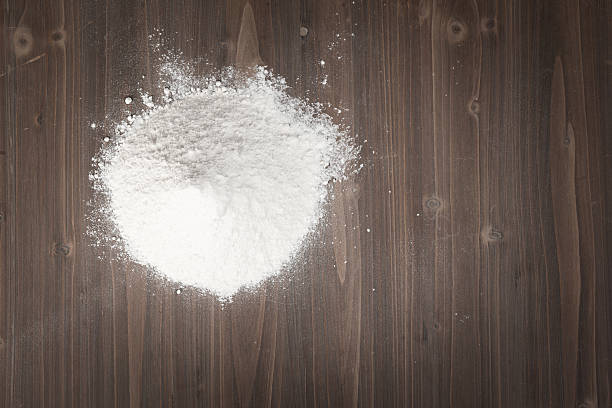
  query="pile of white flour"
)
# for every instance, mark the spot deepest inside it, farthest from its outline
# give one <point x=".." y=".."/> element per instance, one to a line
<point x="218" y="185"/>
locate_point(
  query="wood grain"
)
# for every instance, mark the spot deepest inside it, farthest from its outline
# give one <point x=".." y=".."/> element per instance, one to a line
<point x="563" y="188"/>
<point x="467" y="265"/>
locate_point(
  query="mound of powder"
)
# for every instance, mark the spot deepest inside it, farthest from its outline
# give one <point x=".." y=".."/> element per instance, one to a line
<point x="218" y="188"/>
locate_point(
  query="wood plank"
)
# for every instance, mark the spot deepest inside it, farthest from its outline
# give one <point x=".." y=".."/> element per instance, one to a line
<point x="7" y="209"/>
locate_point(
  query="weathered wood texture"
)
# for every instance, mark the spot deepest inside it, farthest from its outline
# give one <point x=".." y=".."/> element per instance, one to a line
<point x="487" y="187"/>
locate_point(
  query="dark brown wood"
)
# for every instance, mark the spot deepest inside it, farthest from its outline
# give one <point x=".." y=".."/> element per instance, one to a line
<point x="477" y="237"/>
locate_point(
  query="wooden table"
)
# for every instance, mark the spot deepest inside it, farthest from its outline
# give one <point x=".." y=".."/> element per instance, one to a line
<point x="487" y="189"/>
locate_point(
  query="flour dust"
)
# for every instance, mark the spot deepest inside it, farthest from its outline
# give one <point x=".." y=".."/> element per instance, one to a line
<point x="219" y="183"/>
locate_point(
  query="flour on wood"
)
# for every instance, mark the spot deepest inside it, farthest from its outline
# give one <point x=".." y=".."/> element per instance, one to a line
<point x="218" y="184"/>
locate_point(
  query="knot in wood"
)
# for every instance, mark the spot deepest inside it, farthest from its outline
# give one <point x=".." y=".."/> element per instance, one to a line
<point x="457" y="31"/>
<point x="57" y="36"/>
<point x="489" y="24"/>
<point x="61" y="249"/>
<point x="23" y="41"/>
<point x="432" y="203"/>
<point x="475" y="107"/>
<point x="495" y="235"/>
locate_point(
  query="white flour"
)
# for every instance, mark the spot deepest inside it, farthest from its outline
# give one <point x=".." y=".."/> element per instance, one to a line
<point x="218" y="187"/>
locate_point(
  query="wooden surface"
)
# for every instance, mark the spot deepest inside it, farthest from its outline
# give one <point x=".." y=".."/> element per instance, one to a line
<point x="487" y="187"/>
